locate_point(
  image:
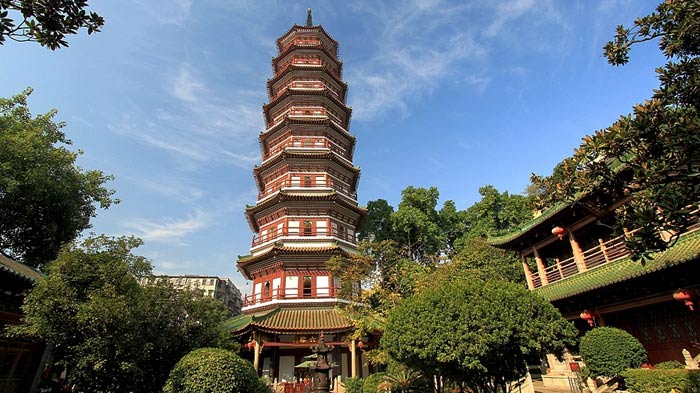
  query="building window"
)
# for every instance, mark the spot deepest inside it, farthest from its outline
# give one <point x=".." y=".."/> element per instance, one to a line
<point x="306" y="291"/>
<point x="266" y="290"/>
<point x="308" y="227"/>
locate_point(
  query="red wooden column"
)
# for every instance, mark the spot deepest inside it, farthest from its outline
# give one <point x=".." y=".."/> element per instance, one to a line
<point x="578" y="253"/>
<point x="528" y="273"/>
<point x="540" y="267"/>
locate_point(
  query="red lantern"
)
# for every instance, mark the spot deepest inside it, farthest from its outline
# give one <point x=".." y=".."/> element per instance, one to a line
<point x="559" y="231"/>
<point x="361" y="345"/>
<point x="588" y="317"/>
<point x="250" y="345"/>
<point x="685" y="296"/>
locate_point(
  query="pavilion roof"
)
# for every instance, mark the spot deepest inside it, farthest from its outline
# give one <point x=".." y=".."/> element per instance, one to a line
<point x="290" y="320"/>
<point x="279" y="249"/>
<point x="19" y="269"/>
<point x="686" y="249"/>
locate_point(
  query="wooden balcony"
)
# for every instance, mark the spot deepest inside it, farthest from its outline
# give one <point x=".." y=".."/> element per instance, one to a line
<point x="606" y="252"/>
<point x="301" y="184"/>
<point x="291" y="294"/>
<point x="292" y="144"/>
<point x="302" y="233"/>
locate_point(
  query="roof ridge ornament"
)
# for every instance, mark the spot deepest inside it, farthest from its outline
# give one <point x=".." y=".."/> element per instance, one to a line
<point x="309" y="22"/>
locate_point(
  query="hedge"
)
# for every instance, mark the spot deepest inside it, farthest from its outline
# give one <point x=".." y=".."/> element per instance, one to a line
<point x="662" y="381"/>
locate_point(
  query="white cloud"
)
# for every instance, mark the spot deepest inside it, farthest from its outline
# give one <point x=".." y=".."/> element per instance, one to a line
<point x="409" y="61"/>
<point x="169" y="229"/>
<point x="185" y="86"/>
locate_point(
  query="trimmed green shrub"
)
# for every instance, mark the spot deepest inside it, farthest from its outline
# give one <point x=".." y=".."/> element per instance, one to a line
<point x="662" y="381"/>
<point x="669" y="365"/>
<point x="372" y="382"/>
<point x="213" y="370"/>
<point x="353" y="385"/>
<point x="609" y="351"/>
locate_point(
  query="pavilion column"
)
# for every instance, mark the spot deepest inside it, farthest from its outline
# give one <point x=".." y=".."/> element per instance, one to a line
<point x="604" y="250"/>
<point x="578" y="253"/>
<point x="256" y="358"/>
<point x="353" y="358"/>
<point x="528" y="273"/>
<point x="540" y="267"/>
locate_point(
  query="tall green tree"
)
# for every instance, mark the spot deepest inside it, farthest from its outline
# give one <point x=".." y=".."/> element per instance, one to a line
<point x="497" y="212"/>
<point x="651" y="156"/>
<point x="475" y="333"/>
<point x="112" y="334"/>
<point x="46" y="22"/>
<point x="46" y="200"/>
<point x="377" y="225"/>
<point x="416" y="223"/>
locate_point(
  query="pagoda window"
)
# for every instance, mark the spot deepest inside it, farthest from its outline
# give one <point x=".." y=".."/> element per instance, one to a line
<point x="320" y="181"/>
<point x="296" y="181"/>
<point x="291" y="286"/>
<point x="322" y="289"/>
<point x="280" y="228"/>
<point x="293" y="227"/>
<point x="257" y="291"/>
<point x="276" y="287"/>
<point x="308" y="227"/>
<point x="321" y="227"/>
<point x="266" y="290"/>
<point x="308" y="182"/>
<point x="306" y="289"/>
<point x="308" y="143"/>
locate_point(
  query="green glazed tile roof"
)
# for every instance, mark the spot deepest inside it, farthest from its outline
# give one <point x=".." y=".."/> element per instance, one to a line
<point x="549" y="213"/>
<point x="686" y="249"/>
<point x="19" y="269"/>
<point x="282" y="320"/>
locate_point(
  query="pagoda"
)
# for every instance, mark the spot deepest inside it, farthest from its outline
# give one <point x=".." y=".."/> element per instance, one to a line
<point x="306" y="212"/>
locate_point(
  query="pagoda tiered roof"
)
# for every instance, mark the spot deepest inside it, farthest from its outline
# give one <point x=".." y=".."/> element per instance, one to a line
<point x="291" y="320"/>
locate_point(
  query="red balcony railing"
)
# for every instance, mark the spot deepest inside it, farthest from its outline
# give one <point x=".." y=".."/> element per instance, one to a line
<point x="302" y="232"/>
<point x="290" y="143"/>
<point x="605" y="252"/>
<point x="335" y="185"/>
<point x="291" y="294"/>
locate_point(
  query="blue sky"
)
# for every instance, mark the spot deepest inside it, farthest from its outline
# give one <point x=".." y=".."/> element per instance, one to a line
<point x="456" y="95"/>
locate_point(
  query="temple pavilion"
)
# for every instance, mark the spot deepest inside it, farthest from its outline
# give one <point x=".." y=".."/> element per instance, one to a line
<point x="572" y="258"/>
<point x="306" y="212"/>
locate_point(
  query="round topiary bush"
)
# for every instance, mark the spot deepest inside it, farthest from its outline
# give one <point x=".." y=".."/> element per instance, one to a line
<point x="609" y="351"/>
<point x="213" y="370"/>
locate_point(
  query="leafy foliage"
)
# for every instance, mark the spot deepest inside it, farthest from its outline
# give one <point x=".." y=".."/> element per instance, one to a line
<point x="372" y="382"/>
<point x="609" y="351"/>
<point x="377" y="226"/>
<point x="353" y="385"/>
<point x="213" y="370"/>
<point x="497" y="213"/>
<point x="662" y="381"/>
<point x="477" y="333"/>
<point x="110" y="333"/>
<point x="46" y="22"/>
<point x="416" y="223"/>
<point x="45" y="199"/>
<point x="669" y="365"/>
<point x="479" y="258"/>
<point x="652" y="156"/>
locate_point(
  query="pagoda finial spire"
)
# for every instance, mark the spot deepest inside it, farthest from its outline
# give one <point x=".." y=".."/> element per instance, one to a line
<point x="309" y="22"/>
